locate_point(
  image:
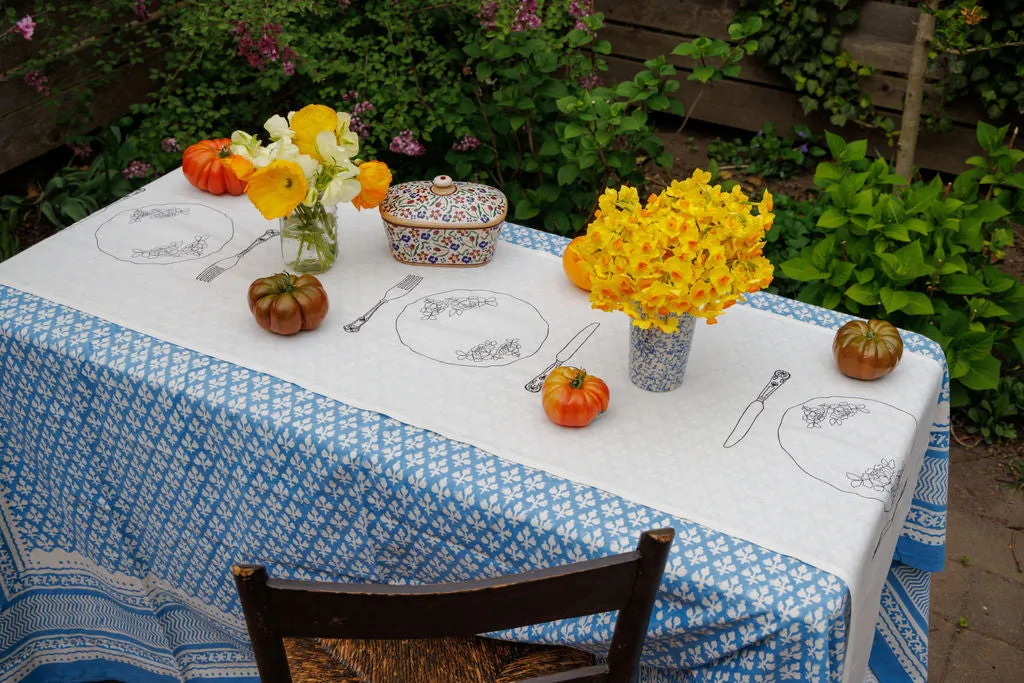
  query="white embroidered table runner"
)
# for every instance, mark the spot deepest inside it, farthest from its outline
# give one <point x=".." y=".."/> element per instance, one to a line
<point x="824" y="471"/>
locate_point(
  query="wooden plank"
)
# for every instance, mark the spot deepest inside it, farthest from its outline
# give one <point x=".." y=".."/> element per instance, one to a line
<point x="36" y="130"/>
<point x="882" y="37"/>
<point x="747" y="106"/>
<point x="884" y="90"/>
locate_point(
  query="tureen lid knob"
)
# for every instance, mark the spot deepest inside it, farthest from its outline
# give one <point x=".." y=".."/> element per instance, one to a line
<point x="443" y="184"/>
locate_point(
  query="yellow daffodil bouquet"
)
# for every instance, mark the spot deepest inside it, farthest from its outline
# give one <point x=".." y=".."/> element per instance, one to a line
<point x="693" y="249"/>
<point x="310" y="163"/>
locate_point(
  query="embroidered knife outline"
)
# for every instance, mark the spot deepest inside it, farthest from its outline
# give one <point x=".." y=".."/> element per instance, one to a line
<point x="754" y="408"/>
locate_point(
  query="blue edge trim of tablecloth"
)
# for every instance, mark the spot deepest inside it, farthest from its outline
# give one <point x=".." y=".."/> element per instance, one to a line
<point x="884" y="662"/>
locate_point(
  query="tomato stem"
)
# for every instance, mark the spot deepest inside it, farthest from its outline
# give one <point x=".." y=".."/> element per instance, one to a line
<point x="577" y="380"/>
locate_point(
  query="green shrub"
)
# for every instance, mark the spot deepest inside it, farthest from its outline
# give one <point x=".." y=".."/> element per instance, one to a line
<point x="922" y="256"/>
<point x="769" y="155"/>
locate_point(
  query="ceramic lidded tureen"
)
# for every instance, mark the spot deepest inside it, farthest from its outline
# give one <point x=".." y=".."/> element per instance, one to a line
<point x="443" y="222"/>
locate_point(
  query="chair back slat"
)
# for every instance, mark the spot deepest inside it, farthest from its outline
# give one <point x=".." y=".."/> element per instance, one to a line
<point x="464" y="609"/>
<point x="627" y="583"/>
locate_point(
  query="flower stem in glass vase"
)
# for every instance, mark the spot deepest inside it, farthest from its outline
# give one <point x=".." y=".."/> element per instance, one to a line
<point x="309" y="239"/>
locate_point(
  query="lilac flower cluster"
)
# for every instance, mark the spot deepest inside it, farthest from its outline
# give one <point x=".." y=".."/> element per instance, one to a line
<point x="141" y="9"/>
<point x="527" y="17"/>
<point x="137" y="169"/>
<point x="170" y="145"/>
<point x="25" y="26"/>
<point x="264" y="47"/>
<point x="467" y="144"/>
<point x="405" y="143"/>
<point x="344" y="4"/>
<point x="580" y="10"/>
<point x="359" y="107"/>
<point x="488" y="15"/>
<point x="38" y="81"/>
<point x="590" y="82"/>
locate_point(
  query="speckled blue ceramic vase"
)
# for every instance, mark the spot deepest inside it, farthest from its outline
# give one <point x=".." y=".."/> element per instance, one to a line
<point x="657" y="360"/>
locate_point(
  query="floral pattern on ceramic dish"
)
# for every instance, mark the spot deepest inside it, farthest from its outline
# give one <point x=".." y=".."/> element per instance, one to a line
<point x="443" y="222"/>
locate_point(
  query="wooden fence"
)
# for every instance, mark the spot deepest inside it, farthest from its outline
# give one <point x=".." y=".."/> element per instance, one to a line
<point x="30" y="125"/>
<point x="883" y="37"/>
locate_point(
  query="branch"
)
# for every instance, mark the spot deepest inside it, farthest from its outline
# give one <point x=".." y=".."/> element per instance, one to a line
<point x="985" y="48"/>
<point x="494" y="140"/>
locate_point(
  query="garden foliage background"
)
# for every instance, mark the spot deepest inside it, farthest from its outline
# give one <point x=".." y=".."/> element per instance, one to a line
<point x="515" y="93"/>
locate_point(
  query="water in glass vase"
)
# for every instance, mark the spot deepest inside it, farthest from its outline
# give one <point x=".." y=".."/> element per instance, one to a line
<point x="309" y="238"/>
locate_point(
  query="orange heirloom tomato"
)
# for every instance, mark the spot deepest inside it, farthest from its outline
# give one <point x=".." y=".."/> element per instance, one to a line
<point x="287" y="304"/>
<point x="572" y="398"/>
<point x="204" y="165"/>
<point x="867" y="350"/>
<point x="573" y="266"/>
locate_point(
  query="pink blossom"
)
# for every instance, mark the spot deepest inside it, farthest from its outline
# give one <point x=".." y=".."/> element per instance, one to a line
<point x="170" y="145"/>
<point x="142" y="9"/>
<point x="26" y="27"/>
<point x="527" y="17"/>
<point x="467" y="144"/>
<point x="38" y="80"/>
<point x="80" y="151"/>
<point x="137" y="169"/>
<point x="487" y="15"/>
<point x="343" y="4"/>
<point x="590" y="82"/>
<point x="259" y="49"/>
<point x="405" y="143"/>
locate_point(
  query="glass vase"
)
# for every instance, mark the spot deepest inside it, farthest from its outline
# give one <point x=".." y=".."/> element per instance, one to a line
<point x="309" y="238"/>
<point x="657" y="360"/>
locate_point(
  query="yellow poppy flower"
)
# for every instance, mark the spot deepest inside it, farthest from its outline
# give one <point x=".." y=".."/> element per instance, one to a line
<point x="276" y="189"/>
<point x="309" y="122"/>
<point x="374" y="179"/>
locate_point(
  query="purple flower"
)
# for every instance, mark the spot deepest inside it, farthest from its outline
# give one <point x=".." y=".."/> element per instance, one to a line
<point x="405" y="143"/>
<point x="289" y="68"/>
<point x="170" y="145"/>
<point x="137" y="169"/>
<point x="590" y="82"/>
<point x="526" y="17"/>
<point x="343" y="4"/>
<point x="801" y="134"/>
<point x="260" y="49"/>
<point x="37" y="80"/>
<point x="467" y="144"/>
<point x="25" y="26"/>
<point x="580" y="10"/>
<point x="80" y="151"/>
<point x="487" y="15"/>
<point x="142" y="9"/>
<point x="803" y="148"/>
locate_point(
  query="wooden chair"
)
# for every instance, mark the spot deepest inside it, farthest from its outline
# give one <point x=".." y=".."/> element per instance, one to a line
<point x="275" y="608"/>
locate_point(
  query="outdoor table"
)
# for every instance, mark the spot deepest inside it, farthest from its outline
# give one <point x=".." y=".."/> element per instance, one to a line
<point x="152" y="435"/>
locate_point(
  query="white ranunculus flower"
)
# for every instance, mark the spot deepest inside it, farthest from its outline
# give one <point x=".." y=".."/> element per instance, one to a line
<point x="244" y="145"/>
<point x="328" y="149"/>
<point x="341" y="190"/>
<point x="347" y="139"/>
<point x="277" y="126"/>
<point x="309" y="165"/>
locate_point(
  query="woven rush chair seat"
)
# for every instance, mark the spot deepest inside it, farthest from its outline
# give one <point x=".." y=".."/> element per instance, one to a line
<point x="432" y="660"/>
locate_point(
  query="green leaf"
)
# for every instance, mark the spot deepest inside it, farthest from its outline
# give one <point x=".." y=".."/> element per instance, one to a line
<point x="821" y="252"/>
<point x="983" y="375"/>
<point x="863" y="293"/>
<point x="567" y="174"/>
<point x="866" y="275"/>
<point x="801" y="269"/>
<point x="573" y="130"/>
<point x="702" y="73"/>
<point x="841" y="272"/>
<point x="831" y="218"/>
<point x="918" y="304"/>
<point x="893" y="299"/>
<point x="550" y="147"/>
<point x="831" y="299"/>
<point x="983" y="308"/>
<point x="526" y="209"/>
<point x="602" y="47"/>
<point x="962" y="284"/>
<point x="835" y="145"/>
<point x="989" y="211"/>
<point x="855" y="151"/>
<point x="974" y="345"/>
<point x="989" y="137"/>
<point x="897" y="231"/>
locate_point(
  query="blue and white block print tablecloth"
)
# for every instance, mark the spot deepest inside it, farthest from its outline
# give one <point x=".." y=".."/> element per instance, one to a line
<point x="134" y="472"/>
